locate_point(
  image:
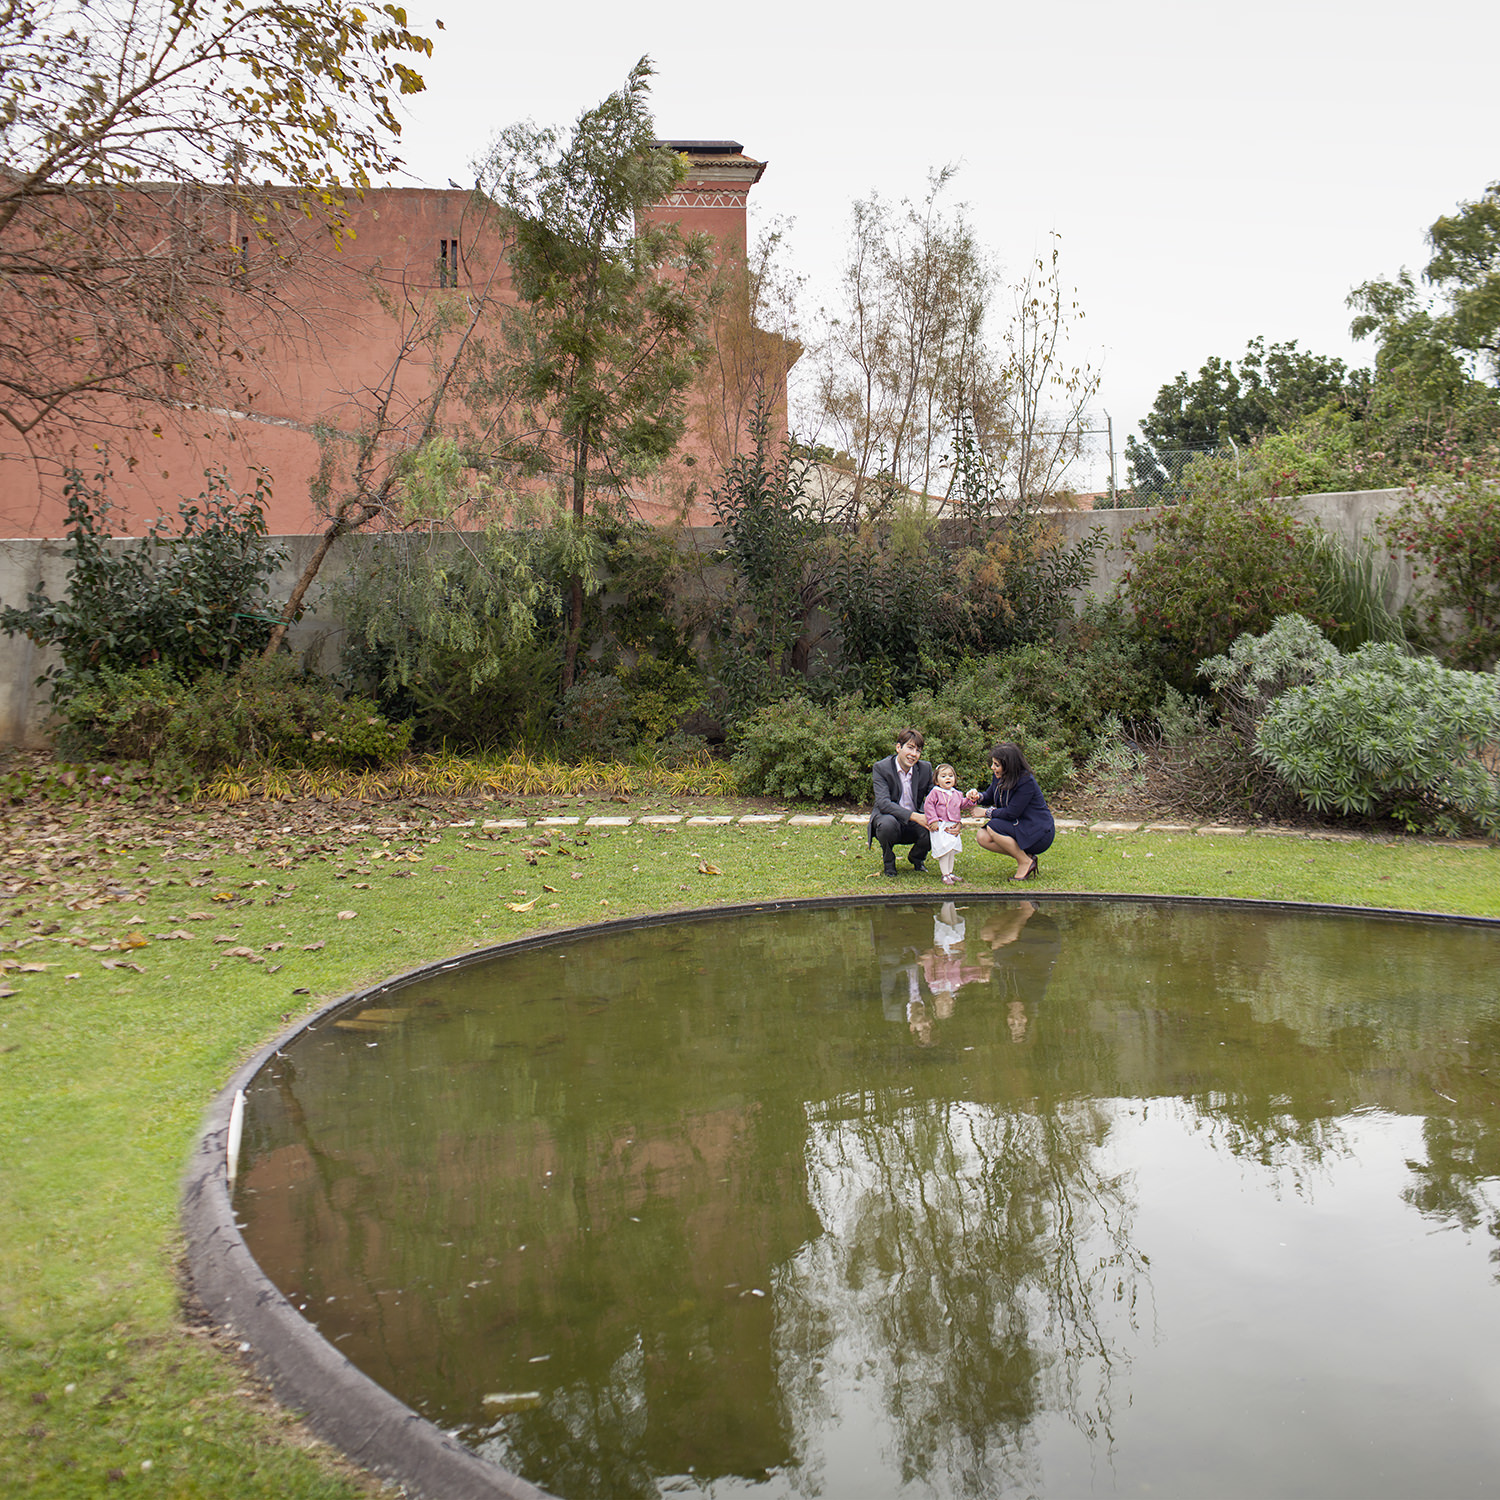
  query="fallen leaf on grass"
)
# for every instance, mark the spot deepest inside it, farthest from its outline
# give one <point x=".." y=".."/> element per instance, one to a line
<point x="223" y="896"/>
<point x="197" y="916"/>
<point x="347" y="916"/>
<point x="243" y="952"/>
<point x="704" y="868"/>
<point x="550" y="889"/>
<point x="178" y="936"/>
<point x="6" y="992"/>
<point x="575" y="874"/>
<point x="313" y="947"/>
<point x="361" y="885"/>
<point x="522" y="905"/>
<point x="274" y="947"/>
<point x="120" y="963"/>
<point x="37" y="968"/>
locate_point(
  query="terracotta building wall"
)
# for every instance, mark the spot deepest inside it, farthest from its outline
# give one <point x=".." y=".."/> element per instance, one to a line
<point x="323" y="358"/>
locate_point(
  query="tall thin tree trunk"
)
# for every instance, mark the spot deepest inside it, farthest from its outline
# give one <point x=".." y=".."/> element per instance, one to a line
<point x="341" y="523"/>
<point x="575" y="583"/>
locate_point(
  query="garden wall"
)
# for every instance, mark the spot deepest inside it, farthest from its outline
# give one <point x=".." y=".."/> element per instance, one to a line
<point x="28" y="563"/>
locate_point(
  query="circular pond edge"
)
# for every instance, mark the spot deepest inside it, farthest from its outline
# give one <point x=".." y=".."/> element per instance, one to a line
<point x="339" y="1402"/>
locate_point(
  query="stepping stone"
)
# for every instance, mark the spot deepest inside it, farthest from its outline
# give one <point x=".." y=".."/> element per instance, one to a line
<point x="608" y="823"/>
<point x="810" y="820"/>
<point x="1169" y="827"/>
<point x="1115" y="827"/>
<point x="468" y="824"/>
<point x="505" y="823"/>
<point x="1068" y="825"/>
<point x="1223" y="828"/>
<point x="707" y="821"/>
<point x="860" y="818"/>
<point x="1336" y="838"/>
<point x="557" y="822"/>
<point x="663" y="818"/>
<point x="762" y="817"/>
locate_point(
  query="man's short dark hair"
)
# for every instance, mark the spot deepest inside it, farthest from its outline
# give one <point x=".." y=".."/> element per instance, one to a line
<point x="910" y="737"/>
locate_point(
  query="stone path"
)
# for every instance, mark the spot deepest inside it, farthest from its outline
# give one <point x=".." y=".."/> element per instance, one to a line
<point x="827" y="820"/>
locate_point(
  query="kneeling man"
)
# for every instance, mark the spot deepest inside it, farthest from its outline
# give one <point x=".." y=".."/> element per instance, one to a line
<point x="902" y="782"/>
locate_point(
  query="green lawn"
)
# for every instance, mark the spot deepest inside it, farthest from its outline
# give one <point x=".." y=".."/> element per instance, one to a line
<point x="109" y="1054"/>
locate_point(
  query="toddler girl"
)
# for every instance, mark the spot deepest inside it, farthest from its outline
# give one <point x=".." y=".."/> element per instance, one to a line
<point x="944" y="810"/>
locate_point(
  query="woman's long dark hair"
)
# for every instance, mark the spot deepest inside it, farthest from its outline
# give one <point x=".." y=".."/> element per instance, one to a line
<point x="1012" y="764"/>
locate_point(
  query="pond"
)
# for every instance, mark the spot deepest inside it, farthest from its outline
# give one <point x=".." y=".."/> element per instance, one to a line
<point x="986" y="1198"/>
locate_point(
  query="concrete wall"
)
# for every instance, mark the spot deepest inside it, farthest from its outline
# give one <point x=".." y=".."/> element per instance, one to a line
<point x="27" y="564"/>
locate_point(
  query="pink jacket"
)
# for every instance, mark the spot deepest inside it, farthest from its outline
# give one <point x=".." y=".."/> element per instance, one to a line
<point x="944" y="805"/>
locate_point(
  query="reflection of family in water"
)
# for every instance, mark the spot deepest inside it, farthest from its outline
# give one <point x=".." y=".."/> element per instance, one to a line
<point x="1016" y="946"/>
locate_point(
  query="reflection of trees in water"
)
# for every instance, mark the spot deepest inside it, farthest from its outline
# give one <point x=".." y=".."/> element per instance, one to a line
<point x="1273" y="1134"/>
<point x="972" y="1262"/>
<point x="1459" y="1183"/>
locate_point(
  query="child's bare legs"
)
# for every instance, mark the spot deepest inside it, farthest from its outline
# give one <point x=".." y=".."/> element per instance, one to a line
<point x="945" y="864"/>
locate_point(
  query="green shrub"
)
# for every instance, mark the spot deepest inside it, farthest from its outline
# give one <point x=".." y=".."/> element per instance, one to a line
<point x="1454" y="530"/>
<point x="463" y="634"/>
<point x="1216" y="567"/>
<point x="268" y="712"/>
<point x="191" y="599"/>
<point x="594" y="721"/>
<point x="1382" y="733"/>
<point x="798" y="748"/>
<point x="1258" y="668"/>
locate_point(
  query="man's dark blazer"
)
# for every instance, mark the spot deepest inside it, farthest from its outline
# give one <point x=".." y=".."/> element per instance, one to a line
<point x="888" y="790"/>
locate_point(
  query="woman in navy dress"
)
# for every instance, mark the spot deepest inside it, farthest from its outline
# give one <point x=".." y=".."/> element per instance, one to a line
<point x="1021" y="823"/>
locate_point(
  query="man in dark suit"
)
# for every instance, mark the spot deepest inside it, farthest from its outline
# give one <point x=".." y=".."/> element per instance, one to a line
<point x="902" y="782"/>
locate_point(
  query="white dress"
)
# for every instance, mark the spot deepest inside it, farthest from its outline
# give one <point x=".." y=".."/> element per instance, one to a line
<point x="944" y="842"/>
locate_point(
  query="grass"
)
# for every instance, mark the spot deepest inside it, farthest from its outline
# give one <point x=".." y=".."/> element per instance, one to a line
<point x="105" y="1071"/>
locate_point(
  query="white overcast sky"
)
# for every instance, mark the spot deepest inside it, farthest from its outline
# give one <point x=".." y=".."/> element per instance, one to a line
<point x="1215" y="171"/>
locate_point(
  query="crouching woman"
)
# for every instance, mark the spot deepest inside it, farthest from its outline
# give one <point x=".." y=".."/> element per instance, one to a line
<point x="1020" y="822"/>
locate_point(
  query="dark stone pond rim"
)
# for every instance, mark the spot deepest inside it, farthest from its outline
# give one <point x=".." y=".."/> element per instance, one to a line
<point x="340" y="1403"/>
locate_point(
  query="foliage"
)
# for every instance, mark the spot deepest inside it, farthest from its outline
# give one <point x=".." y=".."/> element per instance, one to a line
<point x="1212" y="568"/>
<point x="1259" y="668"/>
<point x="453" y="630"/>
<point x="906" y="350"/>
<point x="1382" y="733"/>
<point x="909" y="355"/>
<point x="607" y="335"/>
<point x="192" y="598"/>
<point x="772" y="529"/>
<point x="1466" y="265"/>
<point x="1052" y="703"/>
<point x="1271" y="389"/>
<point x="110" y="115"/>
<point x="1454" y="529"/>
<point x="266" y="712"/>
<point x="797" y="748"/>
<point x="1009" y="574"/>
<point x="517" y="774"/>
<point x="1356" y="586"/>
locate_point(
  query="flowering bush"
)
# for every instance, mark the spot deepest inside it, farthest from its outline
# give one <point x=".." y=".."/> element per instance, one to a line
<point x="1212" y="568"/>
<point x="1454" y="529"/>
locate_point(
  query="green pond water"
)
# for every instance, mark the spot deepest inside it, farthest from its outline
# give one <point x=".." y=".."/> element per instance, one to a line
<point x="995" y="1198"/>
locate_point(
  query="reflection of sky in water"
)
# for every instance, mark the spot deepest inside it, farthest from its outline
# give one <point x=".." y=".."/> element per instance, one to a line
<point x="1193" y="1227"/>
<point x="1258" y="1323"/>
